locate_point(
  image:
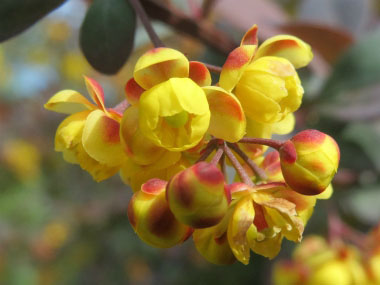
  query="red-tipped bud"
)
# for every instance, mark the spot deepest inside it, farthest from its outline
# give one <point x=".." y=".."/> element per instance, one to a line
<point x="309" y="161"/>
<point x="151" y="218"/>
<point x="197" y="196"/>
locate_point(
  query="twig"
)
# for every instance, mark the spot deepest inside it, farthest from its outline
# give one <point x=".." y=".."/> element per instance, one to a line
<point x="236" y="164"/>
<point x="208" y="150"/>
<point x="140" y="11"/>
<point x="269" y="142"/>
<point x="222" y="163"/>
<point x="121" y="107"/>
<point x="201" y="31"/>
<point x="218" y="155"/>
<point x="260" y="173"/>
<point x="213" y="68"/>
<point x="207" y="7"/>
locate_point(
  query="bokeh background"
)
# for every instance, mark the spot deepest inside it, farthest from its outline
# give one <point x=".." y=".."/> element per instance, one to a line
<point x="58" y="226"/>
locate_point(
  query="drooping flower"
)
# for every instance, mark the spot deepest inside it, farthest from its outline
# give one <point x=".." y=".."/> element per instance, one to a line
<point x="151" y="218"/>
<point x="197" y="196"/>
<point x="264" y="79"/>
<point x="90" y="135"/>
<point x="309" y="161"/>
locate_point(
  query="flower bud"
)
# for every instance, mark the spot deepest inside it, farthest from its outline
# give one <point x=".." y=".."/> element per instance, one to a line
<point x="151" y="218"/>
<point x="309" y="161"/>
<point x="197" y="196"/>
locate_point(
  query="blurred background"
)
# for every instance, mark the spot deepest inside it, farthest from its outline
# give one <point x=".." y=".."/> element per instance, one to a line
<point x="58" y="226"/>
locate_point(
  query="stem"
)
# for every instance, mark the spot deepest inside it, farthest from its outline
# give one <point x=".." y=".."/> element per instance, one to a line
<point x="121" y="107"/>
<point x="213" y="68"/>
<point x="208" y="150"/>
<point x="276" y="144"/>
<point x="199" y="30"/>
<point x="218" y="155"/>
<point x="236" y="164"/>
<point x="259" y="172"/>
<point x="337" y="229"/>
<point x="222" y="163"/>
<point x="140" y="11"/>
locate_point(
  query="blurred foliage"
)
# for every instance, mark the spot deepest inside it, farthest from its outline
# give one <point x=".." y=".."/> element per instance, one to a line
<point x="57" y="226"/>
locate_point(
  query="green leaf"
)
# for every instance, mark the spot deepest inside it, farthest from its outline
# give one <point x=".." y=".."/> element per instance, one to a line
<point x="18" y="15"/>
<point x="358" y="67"/>
<point x="366" y="137"/>
<point x="107" y="34"/>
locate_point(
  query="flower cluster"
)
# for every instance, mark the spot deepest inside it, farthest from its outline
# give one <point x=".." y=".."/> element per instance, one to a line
<point x="178" y="136"/>
<point x="317" y="261"/>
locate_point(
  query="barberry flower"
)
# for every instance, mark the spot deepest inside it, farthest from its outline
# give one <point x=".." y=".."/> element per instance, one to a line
<point x="90" y="135"/>
<point x="151" y="218"/>
<point x="309" y="161"/>
<point x="264" y="79"/>
<point x="262" y="216"/>
<point x="316" y="262"/>
<point x="197" y="196"/>
<point x="174" y="114"/>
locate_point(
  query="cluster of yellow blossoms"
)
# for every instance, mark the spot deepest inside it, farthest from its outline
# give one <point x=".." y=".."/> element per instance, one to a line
<point x="316" y="262"/>
<point x="172" y="142"/>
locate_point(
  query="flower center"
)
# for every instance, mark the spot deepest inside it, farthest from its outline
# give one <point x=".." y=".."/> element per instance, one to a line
<point x="177" y="120"/>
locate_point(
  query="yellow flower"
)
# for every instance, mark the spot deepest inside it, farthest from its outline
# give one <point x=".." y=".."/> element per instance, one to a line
<point x="151" y="218"/>
<point x="309" y="161"/>
<point x="264" y="79"/>
<point x="174" y="114"/>
<point x="90" y="135"/>
<point x="262" y="216"/>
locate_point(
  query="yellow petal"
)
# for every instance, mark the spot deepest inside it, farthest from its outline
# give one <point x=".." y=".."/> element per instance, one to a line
<point x="101" y="139"/>
<point x="235" y="65"/>
<point x="292" y="48"/>
<point x="285" y="126"/>
<point x="158" y="65"/>
<point x="133" y="91"/>
<point x="250" y="37"/>
<point x="227" y="116"/>
<point x="174" y="114"/>
<point x="97" y="170"/>
<point x="96" y="92"/>
<point x="199" y="73"/>
<point x="240" y="222"/>
<point x="68" y="102"/>
<point x="268" y="247"/>
<point x="326" y="194"/>
<point x="69" y="132"/>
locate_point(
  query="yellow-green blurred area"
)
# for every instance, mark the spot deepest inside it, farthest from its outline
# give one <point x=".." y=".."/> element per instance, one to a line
<point x="58" y="226"/>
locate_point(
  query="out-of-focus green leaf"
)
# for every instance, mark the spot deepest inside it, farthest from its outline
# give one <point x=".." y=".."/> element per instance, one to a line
<point x="367" y="138"/>
<point x="363" y="204"/>
<point x="358" y="67"/>
<point x="18" y="15"/>
<point x="107" y="34"/>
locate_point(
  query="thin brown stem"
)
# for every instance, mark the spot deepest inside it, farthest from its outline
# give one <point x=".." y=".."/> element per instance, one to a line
<point x="239" y="168"/>
<point x="222" y="163"/>
<point x="337" y="229"/>
<point x="213" y="68"/>
<point x="259" y="172"/>
<point x="121" y="107"/>
<point x="140" y="11"/>
<point x="218" y="155"/>
<point x="207" y="150"/>
<point x="199" y="30"/>
<point x="207" y="6"/>
<point x="276" y="144"/>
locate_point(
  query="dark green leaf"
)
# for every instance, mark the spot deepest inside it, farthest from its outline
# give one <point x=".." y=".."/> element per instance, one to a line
<point x="18" y="15"/>
<point x="365" y="136"/>
<point x="358" y="67"/>
<point x="107" y="34"/>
